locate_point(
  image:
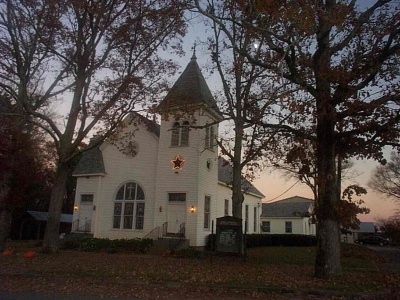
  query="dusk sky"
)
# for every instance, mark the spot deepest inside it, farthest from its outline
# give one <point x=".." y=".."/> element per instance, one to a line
<point x="273" y="186"/>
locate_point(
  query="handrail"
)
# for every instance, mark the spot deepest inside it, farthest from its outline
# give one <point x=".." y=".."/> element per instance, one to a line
<point x="181" y="232"/>
<point x="86" y="227"/>
<point x="164" y="229"/>
<point x="154" y="234"/>
<point x="75" y="225"/>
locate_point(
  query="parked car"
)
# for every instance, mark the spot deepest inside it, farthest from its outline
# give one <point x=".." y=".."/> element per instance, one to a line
<point x="373" y="240"/>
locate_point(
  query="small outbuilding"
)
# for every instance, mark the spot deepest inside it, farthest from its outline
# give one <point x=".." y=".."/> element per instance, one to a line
<point x="32" y="224"/>
<point x="288" y="216"/>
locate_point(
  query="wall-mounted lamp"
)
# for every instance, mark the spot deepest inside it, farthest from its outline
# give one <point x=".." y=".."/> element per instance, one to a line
<point x="192" y="209"/>
<point x="75" y="207"/>
<point x="160" y="209"/>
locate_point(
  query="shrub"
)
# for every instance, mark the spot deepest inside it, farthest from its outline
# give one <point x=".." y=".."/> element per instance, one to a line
<point x="94" y="244"/>
<point x="70" y="245"/>
<point x="261" y="240"/>
<point x="111" y="246"/>
<point x="288" y="240"/>
<point x="189" y="253"/>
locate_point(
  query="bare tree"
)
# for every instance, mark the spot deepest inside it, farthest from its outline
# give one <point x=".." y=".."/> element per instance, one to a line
<point x="246" y="94"/>
<point x="341" y="57"/>
<point x="103" y="56"/>
<point x="385" y="179"/>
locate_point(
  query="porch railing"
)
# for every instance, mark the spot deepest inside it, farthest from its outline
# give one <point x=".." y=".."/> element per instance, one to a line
<point x="155" y="234"/>
<point x="86" y="227"/>
<point x="181" y="232"/>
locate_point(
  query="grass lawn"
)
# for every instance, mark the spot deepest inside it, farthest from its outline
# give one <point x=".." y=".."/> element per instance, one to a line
<point x="273" y="271"/>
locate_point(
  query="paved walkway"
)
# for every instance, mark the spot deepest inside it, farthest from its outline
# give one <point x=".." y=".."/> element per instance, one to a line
<point x="53" y="296"/>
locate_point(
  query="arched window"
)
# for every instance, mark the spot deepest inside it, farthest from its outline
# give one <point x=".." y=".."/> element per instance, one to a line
<point x="175" y="134"/>
<point x="209" y="138"/>
<point x="180" y="134"/>
<point x="129" y="207"/>
<point x="185" y="134"/>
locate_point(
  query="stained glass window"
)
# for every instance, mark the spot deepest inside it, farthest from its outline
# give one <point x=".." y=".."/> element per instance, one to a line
<point x="129" y="207"/>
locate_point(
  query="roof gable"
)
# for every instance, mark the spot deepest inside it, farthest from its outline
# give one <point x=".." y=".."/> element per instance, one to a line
<point x="285" y="208"/>
<point x="91" y="162"/>
<point x="225" y="172"/>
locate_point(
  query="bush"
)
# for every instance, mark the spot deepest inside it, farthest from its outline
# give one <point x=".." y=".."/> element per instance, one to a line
<point x="94" y="244"/>
<point x="189" y="253"/>
<point x="288" y="240"/>
<point x="261" y="240"/>
<point x="110" y="246"/>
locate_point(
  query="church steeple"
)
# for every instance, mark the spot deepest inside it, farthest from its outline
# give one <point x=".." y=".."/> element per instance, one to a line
<point x="189" y="90"/>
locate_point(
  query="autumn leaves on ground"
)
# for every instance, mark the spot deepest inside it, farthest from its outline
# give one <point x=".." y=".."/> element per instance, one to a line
<point x="273" y="272"/>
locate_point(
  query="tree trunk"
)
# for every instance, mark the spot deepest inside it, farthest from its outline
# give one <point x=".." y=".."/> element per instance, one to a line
<point x="51" y="240"/>
<point x="328" y="247"/>
<point x="5" y="226"/>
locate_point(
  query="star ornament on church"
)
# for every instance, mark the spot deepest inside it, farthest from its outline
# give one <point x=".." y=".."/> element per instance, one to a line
<point x="177" y="163"/>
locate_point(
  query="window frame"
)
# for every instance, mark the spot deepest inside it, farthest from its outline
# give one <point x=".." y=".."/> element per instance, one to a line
<point x="207" y="212"/>
<point x="266" y="225"/>
<point x="288" y="229"/>
<point x="180" y="136"/>
<point x="246" y="218"/>
<point x="175" y="134"/>
<point x="226" y="207"/>
<point x="179" y="197"/>
<point x="255" y="220"/>
<point x="87" y="201"/>
<point x="125" y="212"/>
<point x="209" y="137"/>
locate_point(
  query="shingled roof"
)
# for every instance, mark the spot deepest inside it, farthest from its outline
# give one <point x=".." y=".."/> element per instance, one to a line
<point x="190" y="89"/>
<point x="286" y="208"/>
<point x="225" y="175"/>
<point x="91" y="162"/>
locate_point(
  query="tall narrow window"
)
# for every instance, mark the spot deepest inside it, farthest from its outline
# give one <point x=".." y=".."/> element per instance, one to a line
<point x="207" y="210"/>
<point x="226" y="207"/>
<point x="185" y="134"/>
<point x="209" y="137"/>
<point x="288" y="227"/>
<point x="139" y="216"/>
<point x="247" y="218"/>
<point x="255" y="220"/>
<point x="129" y="207"/>
<point x="212" y="137"/>
<point x="175" y="134"/>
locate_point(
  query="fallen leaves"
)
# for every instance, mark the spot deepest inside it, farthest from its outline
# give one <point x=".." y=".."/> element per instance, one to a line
<point x="169" y="277"/>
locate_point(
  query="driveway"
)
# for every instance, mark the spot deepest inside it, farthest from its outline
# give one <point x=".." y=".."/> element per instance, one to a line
<point x="392" y="254"/>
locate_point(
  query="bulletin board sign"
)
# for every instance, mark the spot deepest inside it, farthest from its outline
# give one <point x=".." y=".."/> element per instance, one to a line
<point x="229" y="236"/>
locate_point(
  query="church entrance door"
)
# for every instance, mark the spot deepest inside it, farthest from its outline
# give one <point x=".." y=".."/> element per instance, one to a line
<point x="176" y="216"/>
<point x="85" y="218"/>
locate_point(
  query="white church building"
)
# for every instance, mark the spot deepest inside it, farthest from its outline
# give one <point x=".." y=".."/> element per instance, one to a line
<point x="167" y="178"/>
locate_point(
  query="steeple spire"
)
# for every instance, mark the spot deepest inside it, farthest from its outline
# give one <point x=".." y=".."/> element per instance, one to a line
<point x="194" y="50"/>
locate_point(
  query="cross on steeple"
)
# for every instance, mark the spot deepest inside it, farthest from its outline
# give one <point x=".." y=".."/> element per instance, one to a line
<point x="194" y="50"/>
